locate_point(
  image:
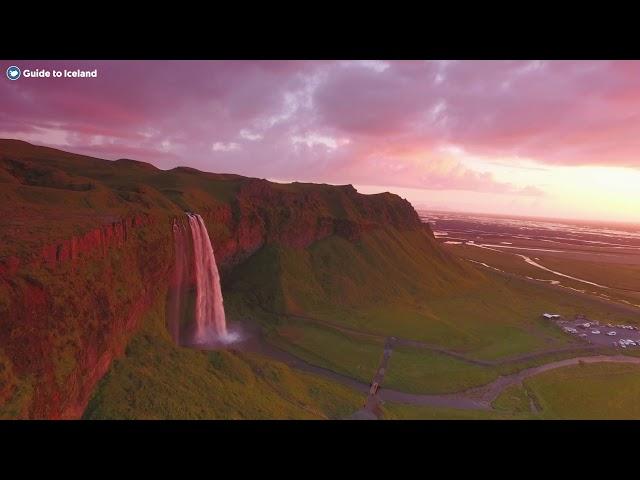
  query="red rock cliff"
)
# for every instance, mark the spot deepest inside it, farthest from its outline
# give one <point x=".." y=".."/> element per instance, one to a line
<point x="264" y="212"/>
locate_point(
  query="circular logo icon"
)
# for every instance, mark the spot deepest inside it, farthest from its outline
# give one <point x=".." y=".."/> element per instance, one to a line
<point x="13" y="73"/>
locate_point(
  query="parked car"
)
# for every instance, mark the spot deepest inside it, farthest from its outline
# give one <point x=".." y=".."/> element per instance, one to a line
<point x="612" y="334"/>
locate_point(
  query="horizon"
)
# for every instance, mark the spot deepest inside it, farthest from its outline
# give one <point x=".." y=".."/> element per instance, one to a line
<point x="587" y="221"/>
<point x="373" y="191"/>
<point x="538" y="139"/>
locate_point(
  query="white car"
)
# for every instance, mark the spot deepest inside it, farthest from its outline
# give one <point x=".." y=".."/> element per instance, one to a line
<point x="612" y="334"/>
<point x="631" y="342"/>
<point x="595" y="332"/>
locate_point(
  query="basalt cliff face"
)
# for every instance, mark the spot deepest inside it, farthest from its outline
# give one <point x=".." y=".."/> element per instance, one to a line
<point x="299" y="215"/>
<point x="86" y="247"/>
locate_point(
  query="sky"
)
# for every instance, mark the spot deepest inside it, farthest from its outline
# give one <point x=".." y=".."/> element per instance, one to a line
<point x="534" y="138"/>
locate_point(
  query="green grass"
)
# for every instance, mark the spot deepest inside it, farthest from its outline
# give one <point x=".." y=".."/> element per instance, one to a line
<point x="15" y="395"/>
<point x="389" y="281"/>
<point x="421" y="371"/>
<point x="422" y="412"/>
<point x="588" y="391"/>
<point x="355" y="356"/>
<point x="392" y="284"/>
<point x="158" y="380"/>
<point x="514" y="399"/>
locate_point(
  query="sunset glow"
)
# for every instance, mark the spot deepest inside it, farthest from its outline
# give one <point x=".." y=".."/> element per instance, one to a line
<point x="556" y="138"/>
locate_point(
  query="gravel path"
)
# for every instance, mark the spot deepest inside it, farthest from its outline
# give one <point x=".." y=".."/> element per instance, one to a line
<point x="477" y="398"/>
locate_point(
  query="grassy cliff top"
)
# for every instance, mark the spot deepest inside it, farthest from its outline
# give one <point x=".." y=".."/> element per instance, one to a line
<point x="48" y="195"/>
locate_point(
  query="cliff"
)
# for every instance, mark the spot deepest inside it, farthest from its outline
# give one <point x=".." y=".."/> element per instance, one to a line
<point x="298" y="215"/>
<point x="86" y="247"/>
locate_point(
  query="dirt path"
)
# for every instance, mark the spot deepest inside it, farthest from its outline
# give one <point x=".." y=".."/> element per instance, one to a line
<point x="488" y="393"/>
<point x="579" y="348"/>
<point x="371" y="409"/>
<point x="481" y="398"/>
<point x="477" y="398"/>
<point x="255" y="343"/>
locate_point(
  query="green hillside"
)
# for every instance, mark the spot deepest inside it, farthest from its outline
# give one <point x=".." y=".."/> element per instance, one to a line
<point x="158" y="380"/>
<point x="327" y="273"/>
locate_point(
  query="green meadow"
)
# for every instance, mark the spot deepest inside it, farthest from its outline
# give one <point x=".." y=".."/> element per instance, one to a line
<point x="421" y="371"/>
<point x="332" y="303"/>
<point x="396" y="411"/>
<point x="156" y="379"/>
<point x="585" y="391"/>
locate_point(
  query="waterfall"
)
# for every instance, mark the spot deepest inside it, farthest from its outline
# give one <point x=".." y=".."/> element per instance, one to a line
<point x="208" y="323"/>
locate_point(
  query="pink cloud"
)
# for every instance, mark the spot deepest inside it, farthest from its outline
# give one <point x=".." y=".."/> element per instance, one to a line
<point x="376" y="123"/>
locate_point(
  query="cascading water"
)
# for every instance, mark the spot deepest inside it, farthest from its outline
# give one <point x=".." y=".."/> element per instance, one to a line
<point x="209" y="323"/>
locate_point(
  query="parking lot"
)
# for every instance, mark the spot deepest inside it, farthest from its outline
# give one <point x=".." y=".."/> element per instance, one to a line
<point x="597" y="333"/>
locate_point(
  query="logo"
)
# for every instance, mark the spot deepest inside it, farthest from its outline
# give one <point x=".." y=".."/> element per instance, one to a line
<point x="13" y="73"/>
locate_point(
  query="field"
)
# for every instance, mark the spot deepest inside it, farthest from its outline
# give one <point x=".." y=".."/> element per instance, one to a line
<point x="419" y="371"/>
<point x="343" y="287"/>
<point x="421" y="412"/>
<point x="590" y="391"/>
<point x="326" y="275"/>
<point x="158" y="380"/>
<point x="339" y="317"/>
<point x="347" y="354"/>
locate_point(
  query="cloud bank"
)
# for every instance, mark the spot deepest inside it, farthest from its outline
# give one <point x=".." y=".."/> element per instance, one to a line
<point x="414" y="124"/>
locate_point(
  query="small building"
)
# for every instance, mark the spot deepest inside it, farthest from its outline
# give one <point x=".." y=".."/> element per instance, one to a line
<point x="550" y="316"/>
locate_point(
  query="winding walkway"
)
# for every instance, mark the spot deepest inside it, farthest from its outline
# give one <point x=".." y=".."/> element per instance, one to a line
<point x="488" y="393"/>
<point x="371" y="409"/>
<point x="577" y="348"/>
<point x="481" y="398"/>
<point x="476" y="398"/>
